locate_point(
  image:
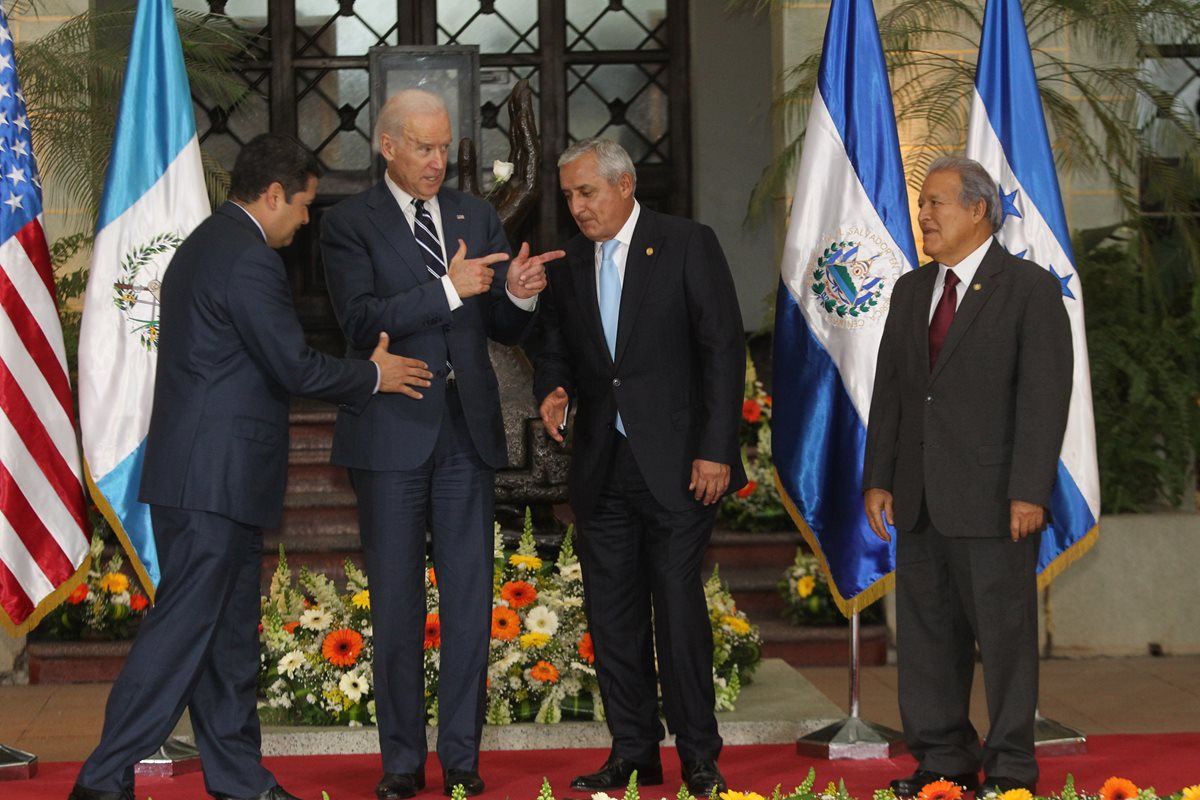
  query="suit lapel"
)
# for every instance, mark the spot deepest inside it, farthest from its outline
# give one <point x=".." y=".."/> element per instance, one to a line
<point x="582" y="259"/>
<point x="639" y="265"/>
<point x="986" y="279"/>
<point x="454" y="224"/>
<point x="922" y="298"/>
<point x="389" y="220"/>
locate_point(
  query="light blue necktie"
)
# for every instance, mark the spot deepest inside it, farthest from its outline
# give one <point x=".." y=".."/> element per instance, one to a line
<point x="610" y="302"/>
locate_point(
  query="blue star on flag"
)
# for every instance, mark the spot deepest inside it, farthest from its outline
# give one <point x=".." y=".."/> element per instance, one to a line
<point x="1008" y="205"/>
<point x="1064" y="280"/>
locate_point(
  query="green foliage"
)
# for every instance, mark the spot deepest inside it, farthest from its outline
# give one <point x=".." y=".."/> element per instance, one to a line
<point x="1145" y="380"/>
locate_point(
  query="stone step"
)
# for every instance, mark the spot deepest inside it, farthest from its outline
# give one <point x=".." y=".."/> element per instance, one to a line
<point x="822" y="646"/>
<point x="310" y="437"/>
<point x="313" y="530"/>
<point x="743" y="549"/>
<point x="317" y="477"/>
<point x="313" y="500"/>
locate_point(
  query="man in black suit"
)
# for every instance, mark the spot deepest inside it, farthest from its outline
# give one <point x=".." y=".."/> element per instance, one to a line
<point x="432" y="267"/>
<point x="643" y="333"/>
<point x="231" y="354"/>
<point x="967" y="419"/>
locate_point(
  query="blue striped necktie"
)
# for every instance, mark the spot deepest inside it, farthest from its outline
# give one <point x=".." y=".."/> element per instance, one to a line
<point x="610" y="302"/>
<point x="427" y="238"/>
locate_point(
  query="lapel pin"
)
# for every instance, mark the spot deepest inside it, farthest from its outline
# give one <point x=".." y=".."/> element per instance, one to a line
<point x="460" y="216"/>
<point x="977" y="286"/>
<point x="649" y="251"/>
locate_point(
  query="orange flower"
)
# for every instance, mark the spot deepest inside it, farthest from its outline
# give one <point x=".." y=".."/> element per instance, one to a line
<point x="544" y="671"/>
<point x="138" y="602"/>
<point x="79" y="595"/>
<point x="518" y="593"/>
<point x="290" y="627"/>
<point x="1118" y="789"/>
<point x="941" y="790"/>
<point x="341" y="647"/>
<point x="505" y="623"/>
<point x="432" y="577"/>
<point x="433" y="632"/>
<point x="751" y="411"/>
<point x="767" y="401"/>
<point x="747" y="490"/>
<point x="586" y="651"/>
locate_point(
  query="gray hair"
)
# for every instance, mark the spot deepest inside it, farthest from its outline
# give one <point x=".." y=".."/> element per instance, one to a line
<point x="612" y="158"/>
<point x="977" y="185"/>
<point x="399" y="107"/>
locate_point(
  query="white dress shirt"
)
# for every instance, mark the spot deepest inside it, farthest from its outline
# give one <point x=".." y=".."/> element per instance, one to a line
<point x="625" y="237"/>
<point x="965" y="270"/>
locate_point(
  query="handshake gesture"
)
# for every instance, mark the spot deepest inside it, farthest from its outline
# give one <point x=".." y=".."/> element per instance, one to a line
<point x="526" y="273"/>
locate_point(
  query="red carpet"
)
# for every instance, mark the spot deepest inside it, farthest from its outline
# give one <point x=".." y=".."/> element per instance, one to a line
<point x="1167" y="762"/>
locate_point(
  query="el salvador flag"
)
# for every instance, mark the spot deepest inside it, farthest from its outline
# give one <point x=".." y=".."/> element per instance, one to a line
<point x="848" y="241"/>
<point x="154" y="196"/>
<point x="1007" y="135"/>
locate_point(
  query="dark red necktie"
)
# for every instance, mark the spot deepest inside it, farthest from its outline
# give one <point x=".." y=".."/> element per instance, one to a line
<point x="943" y="315"/>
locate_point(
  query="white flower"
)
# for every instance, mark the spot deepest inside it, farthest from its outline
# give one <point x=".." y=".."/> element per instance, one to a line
<point x="571" y="572"/>
<point x="291" y="661"/>
<point x="353" y="686"/>
<point x="315" y="619"/>
<point x="602" y="796"/>
<point x="573" y="602"/>
<point x="502" y="170"/>
<point x="542" y="620"/>
<point x="121" y="599"/>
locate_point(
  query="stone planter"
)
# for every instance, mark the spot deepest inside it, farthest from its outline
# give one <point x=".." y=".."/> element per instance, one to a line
<point x="76" y="662"/>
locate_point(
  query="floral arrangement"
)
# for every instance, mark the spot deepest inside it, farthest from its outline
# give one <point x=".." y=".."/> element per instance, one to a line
<point x="501" y="172"/>
<point x="107" y="605"/>
<point x="756" y="506"/>
<point x="807" y="599"/>
<point x="317" y="643"/>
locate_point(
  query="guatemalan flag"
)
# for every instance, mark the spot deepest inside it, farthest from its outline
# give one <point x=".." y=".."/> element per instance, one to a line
<point x="1008" y="136"/>
<point x="848" y="241"/>
<point x="154" y="196"/>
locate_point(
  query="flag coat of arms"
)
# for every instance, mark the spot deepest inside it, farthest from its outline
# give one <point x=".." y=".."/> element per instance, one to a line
<point x="849" y="238"/>
<point x="1007" y="135"/>
<point x="154" y="196"/>
<point x="43" y="521"/>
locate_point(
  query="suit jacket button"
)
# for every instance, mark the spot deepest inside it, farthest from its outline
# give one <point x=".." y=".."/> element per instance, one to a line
<point x="929" y="399"/>
<point x="616" y="381"/>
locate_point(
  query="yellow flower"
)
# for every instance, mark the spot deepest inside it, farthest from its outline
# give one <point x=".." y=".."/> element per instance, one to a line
<point x="534" y="639"/>
<point x="738" y="626"/>
<point x="525" y="562"/>
<point x="805" y="586"/>
<point x="114" y="583"/>
<point x="1016" y="794"/>
<point x="732" y="795"/>
<point x="362" y="599"/>
<point x="1191" y="792"/>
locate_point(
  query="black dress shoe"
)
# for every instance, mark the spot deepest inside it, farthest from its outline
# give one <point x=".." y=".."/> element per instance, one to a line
<point x="913" y="784"/>
<point x="1000" y="785"/>
<point x="467" y="778"/>
<point x="703" y="779"/>
<point x="276" y="792"/>
<point x="615" y="775"/>
<point x="399" y="785"/>
<point x="84" y="793"/>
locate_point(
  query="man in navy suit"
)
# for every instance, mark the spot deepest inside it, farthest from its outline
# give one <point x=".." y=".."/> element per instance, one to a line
<point x="430" y="266"/>
<point x="231" y="354"/>
<point x="967" y="419"/>
<point x="642" y="331"/>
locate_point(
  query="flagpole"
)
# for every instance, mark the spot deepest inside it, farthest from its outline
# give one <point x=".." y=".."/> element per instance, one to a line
<point x="852" y="738"/>
<point x="16" y="765"/>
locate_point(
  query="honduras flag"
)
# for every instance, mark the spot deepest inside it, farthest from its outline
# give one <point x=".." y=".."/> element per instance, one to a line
<point x="848" y="241"/>
<point x="154" y="196"/>
<point x="1007" y="135"/>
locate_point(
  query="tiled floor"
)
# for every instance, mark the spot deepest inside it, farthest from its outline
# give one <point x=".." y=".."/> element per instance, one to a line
<point x="1097" y="696"/>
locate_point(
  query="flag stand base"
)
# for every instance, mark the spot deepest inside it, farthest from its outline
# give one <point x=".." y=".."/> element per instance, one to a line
<point x="1055" y="739"/>
<point x="175" y="757"/>
<point x="16" y="765"/>
<point x="852" y="738"/>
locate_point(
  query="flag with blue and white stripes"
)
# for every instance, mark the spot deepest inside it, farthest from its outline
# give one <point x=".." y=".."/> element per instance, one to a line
<point x="848" y="240"/>
<point x="1007" y="135"/>
<point x="153" y="197"/>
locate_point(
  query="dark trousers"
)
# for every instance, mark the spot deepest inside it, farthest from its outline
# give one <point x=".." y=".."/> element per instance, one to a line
<point x="951" y="594"/>
<point x="450" y="495"/>
<point x="637" y="558"/>
<point x="197" y="648"/>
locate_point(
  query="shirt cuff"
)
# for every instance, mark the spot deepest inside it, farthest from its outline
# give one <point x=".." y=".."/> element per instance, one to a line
<point x="525" y="304"/>
<point x="451" y="293"/>
<point x="378" y="378"/>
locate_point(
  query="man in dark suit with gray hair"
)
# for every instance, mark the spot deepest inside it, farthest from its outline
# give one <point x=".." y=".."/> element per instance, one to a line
<point x="967" y="419"/>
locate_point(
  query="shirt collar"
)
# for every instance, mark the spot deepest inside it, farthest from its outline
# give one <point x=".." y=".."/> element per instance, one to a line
<point x="966" y="269"/>
<point x="625" y="235"/>
<point x="405" y="200"/>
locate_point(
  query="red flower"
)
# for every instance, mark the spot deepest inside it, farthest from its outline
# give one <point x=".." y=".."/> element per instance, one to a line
<point x="586" y="651"/>
<point x="751" y="411"/>
<point x="544" y="671"/>
<point x="79" y="595"/>
<point x="432" y="577"/>
<point x="341" y="647"/>
<point x="290" y="627"/>
<point x="138" y="602"/>
<point x="747" y="490"/>
<point x="518" y="593"/>
<point x="433" y="632"/>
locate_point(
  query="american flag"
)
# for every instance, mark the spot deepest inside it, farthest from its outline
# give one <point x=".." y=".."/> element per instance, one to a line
<point x="43" y="522"/>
